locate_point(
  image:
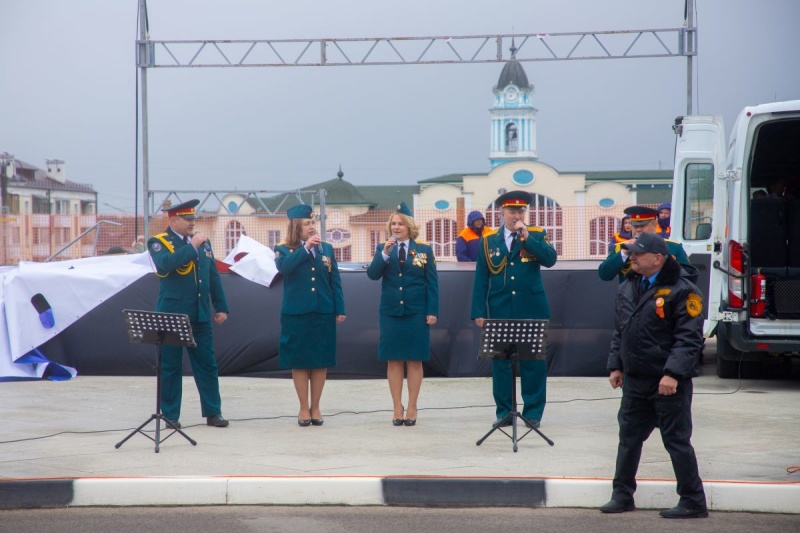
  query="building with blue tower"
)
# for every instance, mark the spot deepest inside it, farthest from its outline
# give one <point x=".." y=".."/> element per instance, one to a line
<point x="579" y="209"/>
<point x="513" y="116"/>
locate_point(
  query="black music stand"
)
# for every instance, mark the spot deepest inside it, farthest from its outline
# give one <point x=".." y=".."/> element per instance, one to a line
<point x="158" y="328"/>
<point x="513" y="340"/>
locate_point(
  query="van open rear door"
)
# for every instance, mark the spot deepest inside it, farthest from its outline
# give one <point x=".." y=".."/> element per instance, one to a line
<point x="699" y="201"/>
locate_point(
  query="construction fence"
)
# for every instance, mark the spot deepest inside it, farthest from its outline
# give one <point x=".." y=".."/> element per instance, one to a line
<point x="576" y="232"/>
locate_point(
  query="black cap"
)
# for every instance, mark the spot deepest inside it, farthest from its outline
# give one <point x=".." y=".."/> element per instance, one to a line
<point x="648" y="243"/>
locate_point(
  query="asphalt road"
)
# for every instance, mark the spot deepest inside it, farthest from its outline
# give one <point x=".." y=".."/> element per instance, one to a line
<point x="240" y="519"/>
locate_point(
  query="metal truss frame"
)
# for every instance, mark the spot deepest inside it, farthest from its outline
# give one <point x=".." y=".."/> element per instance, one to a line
<point x="432" y="50"/>
<point x="624" y="44"/>
<point x="310" y="197"/>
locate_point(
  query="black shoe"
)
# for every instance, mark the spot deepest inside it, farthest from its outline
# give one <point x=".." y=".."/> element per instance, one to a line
<point x="409" y="422"/>
<point x="532" y="423"/>
<point x="683" y="512"/>
<point x="616" y="507"/>
<point x="218" y="421"/>
<point x="317" y="421"/>
<point x="398" y="422"/>
<point x="303" y="423"/>
<point x="502" y="422"/>
<point x="176" y="424"/>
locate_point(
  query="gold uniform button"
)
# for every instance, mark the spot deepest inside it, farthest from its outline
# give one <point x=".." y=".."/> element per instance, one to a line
<point x="312" y="279"/>
<point x="401" y="288"/>
<point x="512" y="278"/>
<point x="313" y="269"/>
<point x="401" y="301"/>
<point x="401" y="274"/>
<point x="313" y="289"/>
<point x="512" y="263"/>
<point x="199" y="281"/>
<point x="513" y="292"/>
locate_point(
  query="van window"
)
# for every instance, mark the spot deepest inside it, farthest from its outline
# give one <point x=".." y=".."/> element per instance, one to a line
<point x="699" y="187"/>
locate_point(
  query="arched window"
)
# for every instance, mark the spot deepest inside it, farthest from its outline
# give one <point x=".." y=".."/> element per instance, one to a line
<point x="546" y="213"/>
<point x="233" y="231"/>
<point x="494" y="216"/>
<point x="601" y="231"/>
<point x="343" y="254"/>
<point x="511" y="137"/>
<point x="442" y="234"/>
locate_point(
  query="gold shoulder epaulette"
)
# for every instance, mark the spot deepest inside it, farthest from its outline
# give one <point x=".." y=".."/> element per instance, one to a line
<point x="537" y="229"/>
<point x="421" y="242"/>
<point x="282" y="243"/>
<point x="160" y="235"/>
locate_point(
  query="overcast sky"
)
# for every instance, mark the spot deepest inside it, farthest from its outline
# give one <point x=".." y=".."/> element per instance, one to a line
<point x="69" y="82"/>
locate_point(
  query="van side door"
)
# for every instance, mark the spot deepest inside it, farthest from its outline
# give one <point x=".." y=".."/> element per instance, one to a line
<point x="698" y="203"/>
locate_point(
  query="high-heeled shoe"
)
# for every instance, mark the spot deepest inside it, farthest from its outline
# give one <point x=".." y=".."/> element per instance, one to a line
<point x="409" y="422"/>
<point x="399" y="421"/>
<point x="317" y="421"/>
<point x="303" y="422"/>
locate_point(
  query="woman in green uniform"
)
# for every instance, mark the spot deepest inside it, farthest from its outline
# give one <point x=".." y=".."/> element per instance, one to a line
<point x="409" y="307"/>
<point x="313" y="303"/>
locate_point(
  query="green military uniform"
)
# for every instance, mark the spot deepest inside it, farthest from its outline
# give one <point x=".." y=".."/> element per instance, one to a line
<point x="409" y="293"/>
<point x="189" y="284"/>
<point x="312" y="298"/>
<point x="614" y="265"/>
<point x="508" y="284"/>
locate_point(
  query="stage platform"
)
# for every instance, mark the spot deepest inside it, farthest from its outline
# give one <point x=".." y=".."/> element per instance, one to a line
<point x="57" y="446"/>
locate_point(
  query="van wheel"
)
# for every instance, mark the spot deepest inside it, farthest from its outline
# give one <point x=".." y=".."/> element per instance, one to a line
<point x="730" y="363"/>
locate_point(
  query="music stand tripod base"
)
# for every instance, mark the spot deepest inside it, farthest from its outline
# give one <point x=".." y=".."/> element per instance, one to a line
<point x="158" y="328"/>
<point x="513" y="340"/>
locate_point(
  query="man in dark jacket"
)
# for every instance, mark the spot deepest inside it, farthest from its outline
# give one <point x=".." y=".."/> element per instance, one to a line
<point x="470" y="237"/>
<point x="655" y="351"/>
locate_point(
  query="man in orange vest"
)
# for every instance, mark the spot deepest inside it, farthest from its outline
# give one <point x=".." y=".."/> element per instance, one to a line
<point x="468" y="239"/>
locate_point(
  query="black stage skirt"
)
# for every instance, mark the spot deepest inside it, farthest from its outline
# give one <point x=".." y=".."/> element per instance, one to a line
<point x="406" y="338"/>
<point x="308" y="341"/>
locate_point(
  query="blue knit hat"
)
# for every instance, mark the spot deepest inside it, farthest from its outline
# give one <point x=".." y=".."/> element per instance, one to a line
<point x="300" y="211"/>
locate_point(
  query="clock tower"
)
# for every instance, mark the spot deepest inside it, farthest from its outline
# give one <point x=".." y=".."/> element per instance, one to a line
<point x="513" y="116"/>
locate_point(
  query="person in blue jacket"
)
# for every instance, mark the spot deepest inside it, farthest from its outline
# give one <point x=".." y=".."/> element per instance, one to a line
<point x="189" y="284"/>
<point x="469" y="238"/>
<point x="313" y="304"/>
<point x="508" y="284"/>
<point x="664" y="215"/>
<point x="409" y="307"/>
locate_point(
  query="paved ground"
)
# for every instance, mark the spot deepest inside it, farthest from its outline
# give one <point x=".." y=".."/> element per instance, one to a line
<point x="744" y="432"/>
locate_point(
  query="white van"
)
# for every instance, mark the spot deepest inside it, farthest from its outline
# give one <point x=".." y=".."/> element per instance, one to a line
<point x="736" y="209"/>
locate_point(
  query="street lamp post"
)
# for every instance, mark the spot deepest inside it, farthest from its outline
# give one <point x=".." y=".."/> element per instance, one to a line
<point x="6" y="171"/>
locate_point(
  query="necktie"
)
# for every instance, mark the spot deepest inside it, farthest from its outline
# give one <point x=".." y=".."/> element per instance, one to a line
<point x="513" y="240"/>
<point x="402" y="253"/>
<point x="186" y="239"/>
<point x="645" y="284"/>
